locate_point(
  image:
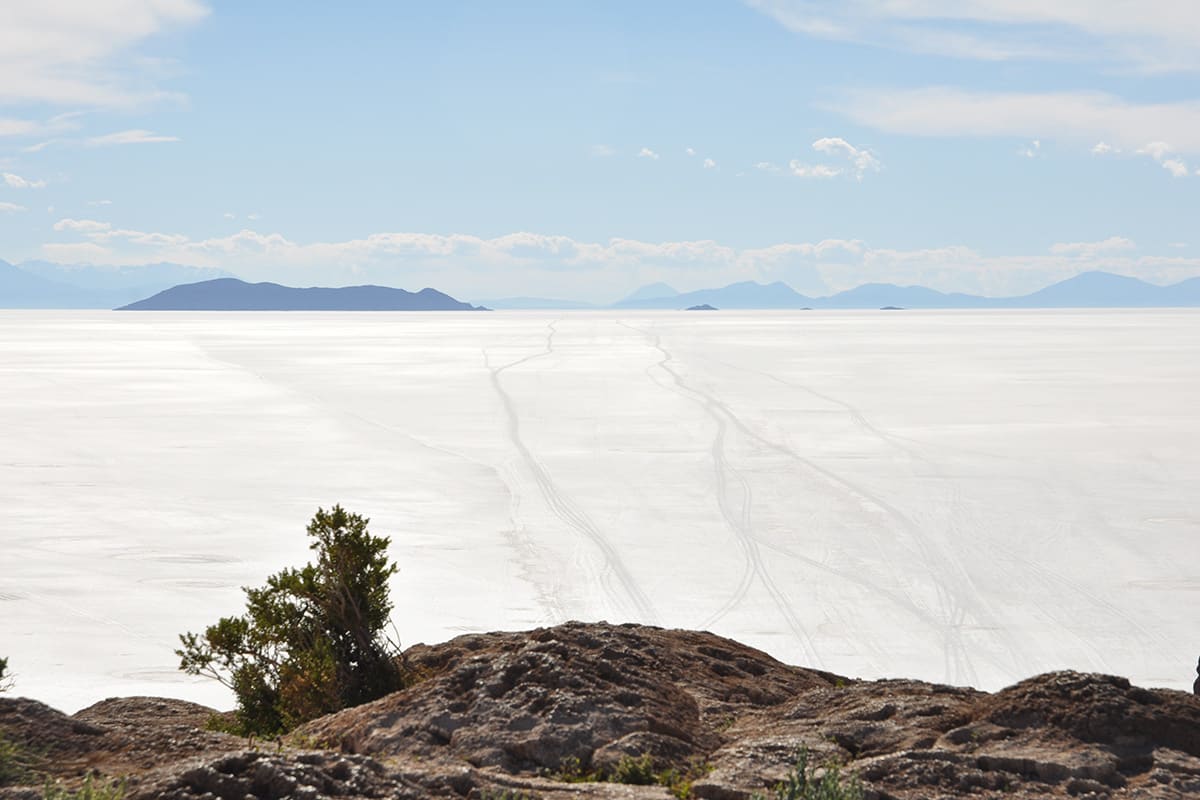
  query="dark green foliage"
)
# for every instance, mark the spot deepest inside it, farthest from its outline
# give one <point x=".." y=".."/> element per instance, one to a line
<point x="802" y="783"/>
<point x="311" y="641"/>
<point x="637" y="771"/>
<point x="4" y="680"/>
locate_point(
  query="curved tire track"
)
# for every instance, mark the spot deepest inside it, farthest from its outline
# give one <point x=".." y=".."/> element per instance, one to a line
<point x="559" y="503"/>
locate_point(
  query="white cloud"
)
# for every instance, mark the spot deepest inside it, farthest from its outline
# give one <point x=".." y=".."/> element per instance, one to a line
<point x="229" y="215"/>
<point x="10" y="208"/>
<point x="1176" y="167"/>
<point x="77" y="52"/>
<point x="1112" y="244"/>
<point x="1085" y="116"/>
<point x="710" y="164"/>
<point x="99" y="202"/>
<point x="135" y="136"/>
<point x="863" y="160"/>
<point x="1031" y="150"/>
<point x="802" y="170"/>
<point x="690" y="151"/>
<point x="18" y="127"/>
<point x="646" y="152"/>
<point x="1149" y="35"/>
<point x="17" y="182"/>
<point x="601" y="151"/>
<point x="1104" y="149"/>
<point x="476" y="268"/>
<point x="85" y="226"/>
<point x="1163" y="154"/>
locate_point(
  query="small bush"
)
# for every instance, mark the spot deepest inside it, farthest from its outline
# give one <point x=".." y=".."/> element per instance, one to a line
<point x="311" y="641"/>
<point x="636" y="771"/>
<point x="572" y="770"/>
<point x="802" y="783"/>
<point x="679" y="782"/>
<point x="5" y="680"/>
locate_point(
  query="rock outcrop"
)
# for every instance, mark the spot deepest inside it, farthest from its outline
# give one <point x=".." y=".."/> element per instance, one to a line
<point x="513" y="714"/>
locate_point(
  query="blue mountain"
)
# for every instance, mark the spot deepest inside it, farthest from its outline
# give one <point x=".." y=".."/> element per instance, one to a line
<point x="231" y="294"/>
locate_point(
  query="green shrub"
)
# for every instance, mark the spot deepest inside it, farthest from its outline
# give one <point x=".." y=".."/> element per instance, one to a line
<point x="5" y="681"/>
<point x="637" y="771"/>
<point x="679" y="782"/>
<point x="311" y="641"/>
<point x="572" y="770"/>
<point x="802" y="783"/>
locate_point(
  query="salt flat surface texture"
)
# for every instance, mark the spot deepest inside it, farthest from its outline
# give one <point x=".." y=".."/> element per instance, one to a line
<point x="961" y="497"/>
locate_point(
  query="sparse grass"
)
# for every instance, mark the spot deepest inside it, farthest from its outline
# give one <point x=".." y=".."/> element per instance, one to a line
<point x="503" y="794"/>
<point x="636" y="771"/>
<point x="91" y="789"/>
<point x="16" y="763"/>
<point x="803" y="783"/>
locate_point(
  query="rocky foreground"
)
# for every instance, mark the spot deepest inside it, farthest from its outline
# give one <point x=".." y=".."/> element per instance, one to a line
<point x="511" y="715"/>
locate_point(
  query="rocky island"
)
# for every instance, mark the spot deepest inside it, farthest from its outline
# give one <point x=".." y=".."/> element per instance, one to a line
<point x="630" y="711"/>
<point x="232" y="294"/>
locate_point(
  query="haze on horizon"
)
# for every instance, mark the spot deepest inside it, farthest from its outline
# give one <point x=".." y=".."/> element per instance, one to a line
<point x="579" y="151"/>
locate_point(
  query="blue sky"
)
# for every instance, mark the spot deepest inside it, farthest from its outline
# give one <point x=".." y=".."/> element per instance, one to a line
<point x="581" y="149"/>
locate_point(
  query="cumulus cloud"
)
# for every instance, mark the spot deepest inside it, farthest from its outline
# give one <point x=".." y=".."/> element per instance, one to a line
<point x="690" y="151"/>
<point x="646" y="152"/>
<point x="476" y="268"/>
<point x="1149" y="35"/>
<point x="861" y="161"/>
<point x="76" y="52"/>
<point x="135" y="136"/>
<point x="1031" y="150"/>
<point x="710" y="164"/>
<point x="1104" y="149"/>
<point x="17" y="182"/>
<point x="10" y="208"/>
<point x="1164" y="155"/>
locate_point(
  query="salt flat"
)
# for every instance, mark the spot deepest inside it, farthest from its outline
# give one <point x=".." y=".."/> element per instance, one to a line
<point x="968" y="497"/>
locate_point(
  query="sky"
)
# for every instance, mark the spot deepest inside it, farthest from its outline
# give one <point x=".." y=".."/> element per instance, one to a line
<point x="579" y="150"/>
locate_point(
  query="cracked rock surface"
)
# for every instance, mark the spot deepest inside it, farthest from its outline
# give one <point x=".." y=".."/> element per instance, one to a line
<point x="510" y="712"/>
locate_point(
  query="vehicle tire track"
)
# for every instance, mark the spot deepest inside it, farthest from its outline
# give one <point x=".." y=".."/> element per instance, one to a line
<point x="955" y="603"/>
<point x="561" y="505"/>
<point x="737" y="514"/>
<point x="549" y="596"/>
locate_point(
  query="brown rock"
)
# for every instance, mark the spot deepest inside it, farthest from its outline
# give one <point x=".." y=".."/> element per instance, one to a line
<point x="502" y="712"/>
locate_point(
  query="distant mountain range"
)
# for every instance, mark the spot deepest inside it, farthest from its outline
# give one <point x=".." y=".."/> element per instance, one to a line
<point x="231" y="294"/>
<point x="38" y="284"/>
<point x="41" y="284"/>
<point x="1088" y="290"/>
